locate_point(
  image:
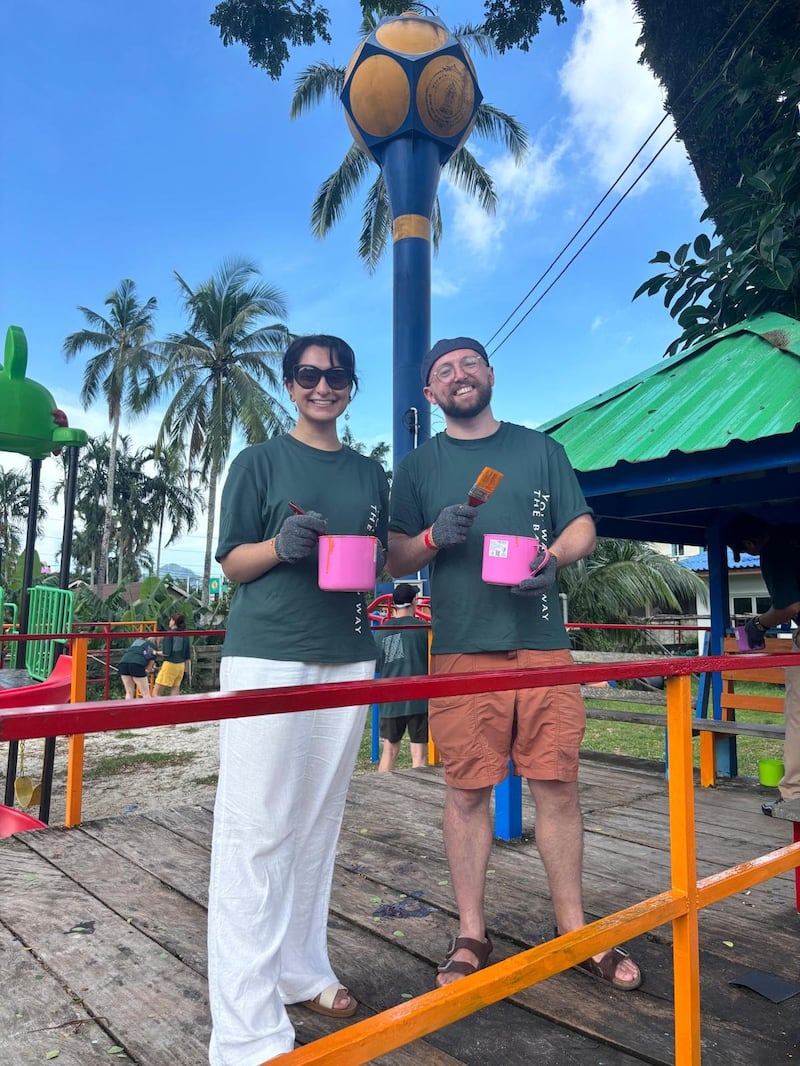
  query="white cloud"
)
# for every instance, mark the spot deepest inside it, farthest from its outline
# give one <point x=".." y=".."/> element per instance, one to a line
<point x="521" y="190"/>
<point x="443" y="286"/>
<point x="615" y="100"/>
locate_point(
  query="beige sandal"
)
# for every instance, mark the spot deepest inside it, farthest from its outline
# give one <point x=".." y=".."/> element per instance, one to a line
<point x="324" y="1003"/>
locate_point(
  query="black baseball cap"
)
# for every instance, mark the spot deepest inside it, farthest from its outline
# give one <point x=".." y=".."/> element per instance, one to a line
<point x="447" y="345"/>
<point x="404" y="594"/>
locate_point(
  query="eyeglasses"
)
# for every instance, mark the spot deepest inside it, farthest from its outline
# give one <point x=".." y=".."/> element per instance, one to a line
<point x="308" y="377"/>
<point x="469" y="364"/>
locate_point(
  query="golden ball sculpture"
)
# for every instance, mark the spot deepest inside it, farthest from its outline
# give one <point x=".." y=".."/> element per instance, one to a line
<point x="379" y="95"/>
<point x="411" y="35"/>
<point x="445" y="96"/>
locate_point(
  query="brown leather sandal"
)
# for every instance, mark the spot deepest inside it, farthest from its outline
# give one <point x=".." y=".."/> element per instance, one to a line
<point x="606" y="970"/>
<point x="481" y="949"/>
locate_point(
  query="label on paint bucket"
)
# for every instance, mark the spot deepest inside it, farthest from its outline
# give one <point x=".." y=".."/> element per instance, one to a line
<point x="497" y="549"/>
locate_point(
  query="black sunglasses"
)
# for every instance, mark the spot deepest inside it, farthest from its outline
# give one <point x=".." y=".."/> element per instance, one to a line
<point x="308" y="377"/>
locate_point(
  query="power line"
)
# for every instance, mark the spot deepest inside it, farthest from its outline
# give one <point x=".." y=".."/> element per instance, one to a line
<point x="619" y="177"/>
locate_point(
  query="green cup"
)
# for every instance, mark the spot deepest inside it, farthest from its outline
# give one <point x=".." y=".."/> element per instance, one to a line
<point x="770" y="771"/>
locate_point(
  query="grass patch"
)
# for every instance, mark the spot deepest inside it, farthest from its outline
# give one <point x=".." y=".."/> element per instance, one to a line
<point x="191" y="729"/>
<point x="211" y="779"/>
<point x="122" y="764"/>
<point x="125" y="734"/>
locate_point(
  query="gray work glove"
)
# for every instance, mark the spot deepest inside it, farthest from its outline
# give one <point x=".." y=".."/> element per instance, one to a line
<point x="298" y="536"/>
<point x="453" y="525"/>
<point x="755" y="633"/>
<point x="543" y="575"/>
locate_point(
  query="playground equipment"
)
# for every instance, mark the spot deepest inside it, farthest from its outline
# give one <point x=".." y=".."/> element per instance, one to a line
<point x="33" y="426"/>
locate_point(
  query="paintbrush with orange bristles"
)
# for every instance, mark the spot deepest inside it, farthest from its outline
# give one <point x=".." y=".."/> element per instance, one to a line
<point x="487" y="482"/>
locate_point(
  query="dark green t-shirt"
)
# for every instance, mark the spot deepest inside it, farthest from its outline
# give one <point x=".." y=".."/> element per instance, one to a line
<point x="284" y="614"/>
<point x="403" y="653"/>
<point x="175" y="649"/>
<point x="139" y="652"/>
<point x="538" y="497"/>
<point x="780" y="565"/>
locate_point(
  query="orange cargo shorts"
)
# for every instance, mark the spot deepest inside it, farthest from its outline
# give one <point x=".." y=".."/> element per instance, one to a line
<point x="538" y="729"/>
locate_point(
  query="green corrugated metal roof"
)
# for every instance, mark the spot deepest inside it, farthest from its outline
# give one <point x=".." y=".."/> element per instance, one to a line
<point x="741" y="384"/>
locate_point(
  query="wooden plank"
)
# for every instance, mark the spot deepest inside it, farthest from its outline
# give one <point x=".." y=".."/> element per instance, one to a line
<point x="156" y="1007"/>
<point x="195" y="823"/>
<point x="140" y="898"/>
<point x="39" y="1016"/>
<point x="750" y="729"/>
<point x="741" y="702"/>
<point x="604" y="714"/>
<point x="772" y="675"/>
<point x="171" y="858"/>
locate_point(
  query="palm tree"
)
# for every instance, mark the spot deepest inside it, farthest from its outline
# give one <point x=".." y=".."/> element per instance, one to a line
<point x="119" y="370"/>
<point x="324" y="80"/>
<point x="619" y="578"/>
<point x="218" y="368"/>
<point x="170" y="495"/>
<point x="14" y="506"/>
<point x="379" y="452"/>
<point x="134" y="515"/>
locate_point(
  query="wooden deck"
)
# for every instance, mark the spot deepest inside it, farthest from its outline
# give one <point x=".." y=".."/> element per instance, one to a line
<point x="102" y="932"/>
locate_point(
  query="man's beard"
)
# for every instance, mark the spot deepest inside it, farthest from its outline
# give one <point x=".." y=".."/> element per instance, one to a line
<point x="456" y="407"/>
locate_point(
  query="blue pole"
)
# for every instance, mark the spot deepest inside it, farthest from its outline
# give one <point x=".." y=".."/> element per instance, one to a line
<point x="411" y="168"/>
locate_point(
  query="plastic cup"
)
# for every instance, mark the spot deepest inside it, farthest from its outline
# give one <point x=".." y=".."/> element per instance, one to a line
<point x="770" y="771"/>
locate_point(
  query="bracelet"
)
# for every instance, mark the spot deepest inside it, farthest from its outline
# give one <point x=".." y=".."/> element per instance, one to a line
<point x="274" y="543"/>
<point x="760" y="626"/>
<point x="428" y="541"/>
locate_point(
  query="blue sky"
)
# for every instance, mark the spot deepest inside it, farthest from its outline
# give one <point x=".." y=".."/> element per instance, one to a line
<point x="136" y="145"/>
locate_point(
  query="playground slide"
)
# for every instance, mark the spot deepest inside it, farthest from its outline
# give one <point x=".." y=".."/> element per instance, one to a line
<point x="55" y="689"/>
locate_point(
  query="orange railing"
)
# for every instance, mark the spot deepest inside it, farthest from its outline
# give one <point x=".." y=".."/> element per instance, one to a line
<point x="680" y="905"/>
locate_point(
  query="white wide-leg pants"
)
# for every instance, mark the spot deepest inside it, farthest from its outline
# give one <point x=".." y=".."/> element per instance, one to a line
<point x="283" y="781"/>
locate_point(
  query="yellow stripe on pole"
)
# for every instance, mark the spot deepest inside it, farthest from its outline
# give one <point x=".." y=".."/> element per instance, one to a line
<point x="411" y="226"/>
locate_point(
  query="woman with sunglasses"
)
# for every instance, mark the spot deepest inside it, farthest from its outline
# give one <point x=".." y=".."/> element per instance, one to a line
<point x="283" y="778"/>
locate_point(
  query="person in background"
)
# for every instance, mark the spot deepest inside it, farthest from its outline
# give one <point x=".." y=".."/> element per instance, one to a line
<point x="404" y="653"/>
<point x="175" y="652"/>
<point x="283" y="778"/>
<point x="778" y="549"/>
<point x="481" y="627"/>
<point x="135" y="668"/>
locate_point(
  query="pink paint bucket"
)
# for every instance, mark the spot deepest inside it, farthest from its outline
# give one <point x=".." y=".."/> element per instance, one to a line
<point x="742" y="643"/>
<point x="507" y="559"/>
<point x="347" y="563"/>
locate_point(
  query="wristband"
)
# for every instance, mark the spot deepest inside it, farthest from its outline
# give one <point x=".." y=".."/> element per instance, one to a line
<point x="760" y="626"/>
<point x="428" y="541"/>
<point x="274" y="543"/>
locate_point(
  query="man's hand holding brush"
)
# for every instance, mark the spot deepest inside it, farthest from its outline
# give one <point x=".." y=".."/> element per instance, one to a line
<point x="451" y="527"/>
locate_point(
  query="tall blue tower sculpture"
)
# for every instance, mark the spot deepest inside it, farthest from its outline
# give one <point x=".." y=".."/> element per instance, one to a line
<point x="410" y="96"/>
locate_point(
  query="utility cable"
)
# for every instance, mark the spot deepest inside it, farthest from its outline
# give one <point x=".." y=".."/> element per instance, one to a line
<point x="619" y="177"/>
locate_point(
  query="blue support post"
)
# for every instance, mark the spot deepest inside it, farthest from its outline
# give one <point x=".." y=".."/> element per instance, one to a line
<point x="375" y="750"/>
<point x="724" y="747"/>
<point x="508" y="807"/>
